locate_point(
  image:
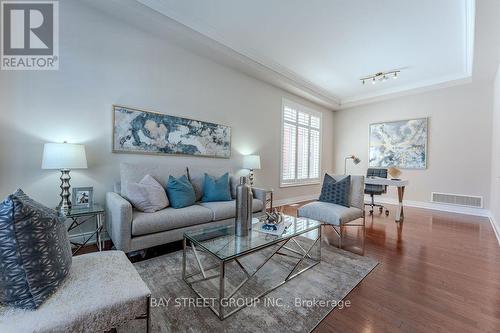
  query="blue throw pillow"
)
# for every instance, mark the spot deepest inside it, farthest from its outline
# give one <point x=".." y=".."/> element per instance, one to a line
<point x="216" y="189"/>
<point x="336" y="192"/>
<point x="35" y="253"/>
<point x="180" y="192"/>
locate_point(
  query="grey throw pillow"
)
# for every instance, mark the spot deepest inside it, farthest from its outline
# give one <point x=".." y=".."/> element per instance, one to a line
<point x="148" y="195"/>
<point x="336" y="192"/>
<point x="35" y="253"/>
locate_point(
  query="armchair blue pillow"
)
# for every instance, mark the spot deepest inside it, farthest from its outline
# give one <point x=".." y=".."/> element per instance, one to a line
<point x="216" y="189"/>
<point x="180" y="192"/>
<point x="336" y="192"/>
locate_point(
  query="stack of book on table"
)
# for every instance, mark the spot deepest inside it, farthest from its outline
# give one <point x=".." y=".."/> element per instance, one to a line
<point x="270" y="228"/>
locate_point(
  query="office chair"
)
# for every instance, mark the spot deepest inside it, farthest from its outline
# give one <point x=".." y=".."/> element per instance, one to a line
<point x="374" y="190"/>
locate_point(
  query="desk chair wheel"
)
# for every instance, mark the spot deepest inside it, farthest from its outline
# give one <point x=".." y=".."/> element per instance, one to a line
<point x="381" y="209"/>
<point x="371" y="211"/>
<point x="386" y="212"/>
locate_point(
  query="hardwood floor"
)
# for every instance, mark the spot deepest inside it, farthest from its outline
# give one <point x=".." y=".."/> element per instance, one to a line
<point x="440" y="272"/>
<point x="437" y="272"/>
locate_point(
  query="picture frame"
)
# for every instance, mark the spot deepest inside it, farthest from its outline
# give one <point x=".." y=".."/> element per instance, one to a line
<point x="139" y="131"/>
<point x="399" y="143"/>
<point x="82" y="197"/>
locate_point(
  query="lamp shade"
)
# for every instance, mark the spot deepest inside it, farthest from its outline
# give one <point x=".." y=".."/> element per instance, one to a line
<point x="64" y="156"/>
<point x="251" y="162"/>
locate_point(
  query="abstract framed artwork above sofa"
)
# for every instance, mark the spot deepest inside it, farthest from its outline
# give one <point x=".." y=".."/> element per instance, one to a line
<point x="402" y="144"/>
<point x="146" y="132"/>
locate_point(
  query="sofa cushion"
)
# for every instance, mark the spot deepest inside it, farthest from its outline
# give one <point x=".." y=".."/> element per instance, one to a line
<point x="180" y="192"/>
<point x="148" y="195"/>
<point x="329" y="213"/>
<point x="35" y="253"/>
<point x="168" y="219"/>
<point x="222" y="210"/>
<point x="216" y="188"/>
<point x="135" y="172"/>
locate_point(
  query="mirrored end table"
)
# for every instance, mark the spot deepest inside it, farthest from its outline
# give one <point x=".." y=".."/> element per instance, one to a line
<point x="79" y="216"/>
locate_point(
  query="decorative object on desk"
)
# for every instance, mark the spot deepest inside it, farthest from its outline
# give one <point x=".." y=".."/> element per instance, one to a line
<point x="394" y="173"/>
<point x="83" y="197"/>
<point x="139" y="131"/>
<point x="35" y="251"/>
<point x="354" y="159"/>
<point x="401" y="144"/>
<point x="244" y="200"/>
<point x="64" y="157"/>
<point x="251" y="162"/>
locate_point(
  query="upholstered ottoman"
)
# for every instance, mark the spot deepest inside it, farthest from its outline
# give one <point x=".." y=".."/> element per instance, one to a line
<point x="102" y="291"/>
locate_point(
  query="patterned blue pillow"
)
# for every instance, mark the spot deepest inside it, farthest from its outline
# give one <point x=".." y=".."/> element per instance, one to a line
<point x="35" y="253"/>
<point x="336" y="192"/>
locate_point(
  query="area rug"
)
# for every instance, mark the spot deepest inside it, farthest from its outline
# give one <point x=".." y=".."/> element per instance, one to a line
<point x="297" y="306"/>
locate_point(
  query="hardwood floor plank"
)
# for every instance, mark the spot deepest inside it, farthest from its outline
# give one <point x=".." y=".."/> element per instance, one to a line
<point x="440" y="272"/>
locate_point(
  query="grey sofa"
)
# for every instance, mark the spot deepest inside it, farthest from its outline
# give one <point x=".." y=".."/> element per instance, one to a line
<point x="132" y="230"/>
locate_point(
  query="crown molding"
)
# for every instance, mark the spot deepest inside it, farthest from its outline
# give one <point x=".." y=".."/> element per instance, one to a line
<point x="247" y="61"/>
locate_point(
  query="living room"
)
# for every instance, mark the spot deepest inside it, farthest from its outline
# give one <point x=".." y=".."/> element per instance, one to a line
<point x="282" y="103"/>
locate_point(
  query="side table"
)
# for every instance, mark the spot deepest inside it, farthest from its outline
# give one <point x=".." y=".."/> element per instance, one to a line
<point x="79" y="216"/>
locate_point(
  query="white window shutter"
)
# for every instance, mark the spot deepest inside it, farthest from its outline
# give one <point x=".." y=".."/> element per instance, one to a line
<point x="301" y="145"/>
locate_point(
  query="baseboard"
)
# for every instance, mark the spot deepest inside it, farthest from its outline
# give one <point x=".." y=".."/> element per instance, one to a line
<point x="435" y="206"/>
<point x="495" y="226"/>
<point x="293" y="200"/>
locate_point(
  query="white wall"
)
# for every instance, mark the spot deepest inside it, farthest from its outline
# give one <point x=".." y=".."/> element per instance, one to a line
<point x="103" y="62"/>
<point x="495" y="156"/>
<point x="459" y="139"/>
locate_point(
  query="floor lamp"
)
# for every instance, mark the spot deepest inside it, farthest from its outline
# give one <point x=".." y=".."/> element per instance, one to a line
<point x="355" y="160"/>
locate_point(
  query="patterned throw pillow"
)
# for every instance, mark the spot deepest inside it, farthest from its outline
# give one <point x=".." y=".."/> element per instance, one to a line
<point x="336" y="192"/>
<point x="35" y="253"/>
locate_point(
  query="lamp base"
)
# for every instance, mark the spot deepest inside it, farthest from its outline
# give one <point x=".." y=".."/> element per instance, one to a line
<point x="65" y="203"/>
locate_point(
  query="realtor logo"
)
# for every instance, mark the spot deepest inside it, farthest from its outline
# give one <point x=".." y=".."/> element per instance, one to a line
<point x="30" y="35"/>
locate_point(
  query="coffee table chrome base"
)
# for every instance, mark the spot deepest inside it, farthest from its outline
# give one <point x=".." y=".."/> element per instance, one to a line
<point x="299" y="254"/>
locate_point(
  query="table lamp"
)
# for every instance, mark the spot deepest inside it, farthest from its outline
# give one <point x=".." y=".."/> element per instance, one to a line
<point x="251" y="162"/>
<point x="64" y="157"/>
<point x="355" y="159"/>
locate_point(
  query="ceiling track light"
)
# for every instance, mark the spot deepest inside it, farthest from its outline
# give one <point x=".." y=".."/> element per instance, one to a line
<point x="380" y="76"/>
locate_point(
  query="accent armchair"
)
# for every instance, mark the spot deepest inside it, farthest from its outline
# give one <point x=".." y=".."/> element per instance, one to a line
<point x="337" y="216"/>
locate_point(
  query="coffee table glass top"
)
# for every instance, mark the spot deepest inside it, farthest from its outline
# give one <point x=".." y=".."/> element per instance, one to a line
<point x="224" y="244"/>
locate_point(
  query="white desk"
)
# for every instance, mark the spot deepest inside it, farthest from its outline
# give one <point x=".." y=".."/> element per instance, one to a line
<point x="400" y="184"/>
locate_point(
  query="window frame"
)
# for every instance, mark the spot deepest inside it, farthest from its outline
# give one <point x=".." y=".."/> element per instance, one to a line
<point x="311" y="112"/>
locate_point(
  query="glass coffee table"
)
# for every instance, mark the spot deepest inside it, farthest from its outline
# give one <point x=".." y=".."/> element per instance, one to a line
<point x="222" y="246"/>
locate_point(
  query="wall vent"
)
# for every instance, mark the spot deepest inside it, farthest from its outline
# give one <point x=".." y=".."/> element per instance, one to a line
<point x="457" y="199"/>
